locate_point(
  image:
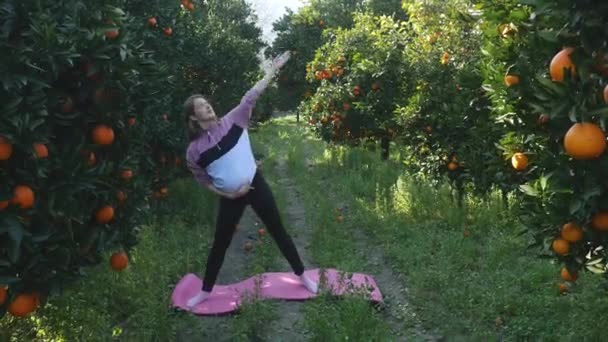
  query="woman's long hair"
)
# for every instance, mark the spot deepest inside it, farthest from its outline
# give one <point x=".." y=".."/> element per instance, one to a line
<point x="193" y="129"/>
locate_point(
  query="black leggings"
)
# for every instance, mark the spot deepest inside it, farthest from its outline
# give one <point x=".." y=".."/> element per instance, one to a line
<point x="230" y="211"/>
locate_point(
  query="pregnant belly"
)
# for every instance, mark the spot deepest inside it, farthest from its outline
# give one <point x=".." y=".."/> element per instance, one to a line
<point x="230" y="184"/>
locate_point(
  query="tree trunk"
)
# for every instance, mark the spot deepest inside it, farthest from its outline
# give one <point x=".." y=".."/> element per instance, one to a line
<point x="385" y="144"/>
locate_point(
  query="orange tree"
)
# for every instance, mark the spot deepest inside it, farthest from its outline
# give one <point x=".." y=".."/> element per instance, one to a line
<point x="358" y="73"/>
<point x="71" y="181"/>
<point x="444" y="114"/>
<point x="89" y="128"/>
<point x="301" y="33"/>
<point x="555" y="70"/>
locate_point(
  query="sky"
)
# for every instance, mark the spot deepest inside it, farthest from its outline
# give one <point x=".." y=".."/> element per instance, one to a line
<point x="268" y="11"/>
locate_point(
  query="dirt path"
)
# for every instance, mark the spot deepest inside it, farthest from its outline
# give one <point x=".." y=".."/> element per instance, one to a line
<point x="288" y="327"/>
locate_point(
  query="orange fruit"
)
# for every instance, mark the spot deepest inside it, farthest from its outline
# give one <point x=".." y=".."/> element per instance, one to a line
<point x="23" y="305"/>
<point x="560" y="62"/>
<point x="126" y="174"/>
<point x="152" y="22"/>
<point x="168" y="31"/>
<point x="511" y="80"/>
<point x="119" y="261"/>
<point x="103" y="135"/>
<point x="519" y="161"/>
<point x="261" y="231"/>
<point x="571" y="232"/>
<point x="3" y="294"/>
<point x="567" y="276"/>
<point x="23" y="197"/>
<point x="584" y="141"/>
<point x="375" y="86"/>
<point x="6" y="149"/>
<point x="104" y="215"/>
<point x="452" y="166"/>
<point x="164" y="191"/>
<point x="41" y="150"/>
<point x="606" y="94"/>
<point x="112" y="34"/>
<point x="3" y="204"/>
<point x="561" y="246"/>
<point x="190" y="6"/>
<point x="131" y="121"/>
<point x="600" y="221"/>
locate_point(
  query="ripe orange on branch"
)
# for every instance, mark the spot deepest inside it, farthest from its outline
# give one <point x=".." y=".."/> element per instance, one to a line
<point x="511" y="80"/>
<point x="104" y="215"/>
<point x="126" y="174"/>
<point x="560" y="62"/>
<point x="103" y="135"/>
<point x="112" y="34"/>
<point x="23" y="305"/>
<point x="585" y="141"/>
<point x="600" y="221"/>
<point x="119" y="261"/>
<point x="152" y="22"/>
<point x="561" y="246"/>
<point x="6" y="149"/>
<point x="23" y="197"/>
<point x="567" y="276"/>
<point x="571" y="232"/>
<point x="519" y="161"/>
<point x="41" y="150"/>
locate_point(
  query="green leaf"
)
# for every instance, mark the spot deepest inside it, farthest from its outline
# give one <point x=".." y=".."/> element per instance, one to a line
<point x="572" y="114"/>
<point x="550" y="36"/>
<point x="575" y="206"/>
<point x="123" y="53"/>
<point x="543" y="182"/>
<point x="595" y="191"/>
<point x="11" y="105"/>
<point x="16" y="233"/>
<point x="551" y="86"/>
<point x="528" y="190"/>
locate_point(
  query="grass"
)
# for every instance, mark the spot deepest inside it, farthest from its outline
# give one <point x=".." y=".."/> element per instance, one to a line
<point x="467" y="270"/>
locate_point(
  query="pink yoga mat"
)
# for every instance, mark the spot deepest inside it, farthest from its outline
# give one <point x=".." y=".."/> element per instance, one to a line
<point x="274" y="285"/>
